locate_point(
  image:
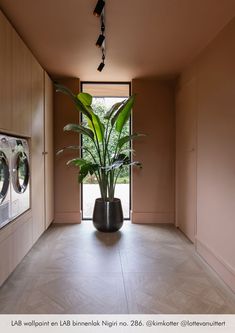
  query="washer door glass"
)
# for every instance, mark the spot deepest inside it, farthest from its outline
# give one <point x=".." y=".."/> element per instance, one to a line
<point x="4" y="176"/>
<point x="21" y="173"/>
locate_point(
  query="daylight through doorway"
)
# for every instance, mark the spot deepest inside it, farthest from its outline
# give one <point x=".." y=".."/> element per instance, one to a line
<point x="104" y="96"/>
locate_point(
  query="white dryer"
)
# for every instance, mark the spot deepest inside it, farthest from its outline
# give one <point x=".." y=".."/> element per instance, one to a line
<point x="20" y="176"/>
<point x="5" y="153"/>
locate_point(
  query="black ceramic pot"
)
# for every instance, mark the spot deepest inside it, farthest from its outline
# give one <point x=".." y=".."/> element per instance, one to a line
<point x="108" y="215"/>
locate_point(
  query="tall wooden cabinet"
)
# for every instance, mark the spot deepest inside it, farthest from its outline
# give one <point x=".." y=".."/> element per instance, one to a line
<point x="37" y="149"/>
<point x="21" y="87"/>
<point x="26" y="109"/>
<point x="5" y="73"/>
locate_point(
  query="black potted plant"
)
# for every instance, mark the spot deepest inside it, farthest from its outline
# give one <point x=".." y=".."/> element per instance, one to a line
<point x="106" y="163"/>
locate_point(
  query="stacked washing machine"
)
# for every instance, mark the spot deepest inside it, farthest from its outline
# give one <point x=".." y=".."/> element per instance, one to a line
<point x="14" y="178"/>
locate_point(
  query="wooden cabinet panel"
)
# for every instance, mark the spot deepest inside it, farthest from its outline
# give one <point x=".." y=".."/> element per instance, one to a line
<point x="15" y="242"/>
<point x="21" y="87"/>
<point x="5" y="259"/>
<point x="49" y="152"/>
<point x="21" y="241"/>
<point x="5" y="73"/>
<point x="26" y="108"/>
<point x="37" y="148"/>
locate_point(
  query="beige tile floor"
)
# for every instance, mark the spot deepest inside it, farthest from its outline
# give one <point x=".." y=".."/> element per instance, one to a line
<point x="141" y="269"/>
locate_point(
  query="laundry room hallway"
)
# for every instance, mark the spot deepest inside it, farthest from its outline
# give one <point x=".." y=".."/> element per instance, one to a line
<point x="143" y="269"/>
<point x="173" y="248"/>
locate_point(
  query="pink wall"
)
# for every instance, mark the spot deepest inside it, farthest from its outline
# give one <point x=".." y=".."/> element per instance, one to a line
<point x="156" y="151"/>
<point x="67" y="194"/>
<point x="214" y="75"/>
<point x="153" y="186"/>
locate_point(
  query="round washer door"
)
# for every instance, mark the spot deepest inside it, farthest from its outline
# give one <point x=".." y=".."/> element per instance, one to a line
<point x="20" y="172"/>
<point x="4" y="176"/>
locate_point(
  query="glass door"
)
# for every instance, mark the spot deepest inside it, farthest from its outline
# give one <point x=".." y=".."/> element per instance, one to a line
<point x="4" y="176"/>
<point x="20" y="172"/>
<point x="104" y="96"/>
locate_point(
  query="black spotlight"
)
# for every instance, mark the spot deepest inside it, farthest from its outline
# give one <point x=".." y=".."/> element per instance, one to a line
<point x="100" y="40"/>
<point x="101" y="67"/>
<point x="99" y="7"/>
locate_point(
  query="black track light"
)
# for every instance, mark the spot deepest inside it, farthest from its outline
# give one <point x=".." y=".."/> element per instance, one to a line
<point x="101" y="66"/>
<point x="99" y="8"/>
<point x="99" y="12"/>
<point x="100" y="40"/>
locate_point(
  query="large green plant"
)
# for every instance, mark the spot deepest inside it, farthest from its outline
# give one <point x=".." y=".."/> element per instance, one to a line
<point x="104" y="164"/>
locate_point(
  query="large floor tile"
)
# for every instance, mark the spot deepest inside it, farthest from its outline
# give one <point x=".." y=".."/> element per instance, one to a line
<point x="140" y="269"/>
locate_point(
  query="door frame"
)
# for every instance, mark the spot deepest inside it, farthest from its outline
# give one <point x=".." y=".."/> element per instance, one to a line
<point x="128" y="83"/>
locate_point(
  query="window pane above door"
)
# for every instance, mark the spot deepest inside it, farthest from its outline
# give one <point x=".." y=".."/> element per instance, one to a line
<point x="107" y="89"/>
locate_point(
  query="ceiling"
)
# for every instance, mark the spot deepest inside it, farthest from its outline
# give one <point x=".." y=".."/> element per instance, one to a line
<point x="151" y="38"/>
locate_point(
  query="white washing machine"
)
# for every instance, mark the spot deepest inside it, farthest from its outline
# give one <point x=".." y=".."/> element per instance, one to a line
<point x="20" y="176"/>
<point x="5" y="153"/>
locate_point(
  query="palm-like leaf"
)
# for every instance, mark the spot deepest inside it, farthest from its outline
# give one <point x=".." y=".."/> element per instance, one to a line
<point x="123" y="114"/>
<point x="90" y="168"/>
<point x="96" y="126"/>
<point x="94" y="122"/>
<point x="85" y="99"/>
<point x="74" y="147"/>
<point x="77" y="102"/>
<point x="79" y="129"/>
<point x="128" y="138"/>
<point x="113" y="109"/>
<point x="77" y="162"/>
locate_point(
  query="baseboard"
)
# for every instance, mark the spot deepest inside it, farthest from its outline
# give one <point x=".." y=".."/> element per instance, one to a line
<point x="148" y="218"/>
<point x="222" y="268"/>
<point x="67" y="217"/>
